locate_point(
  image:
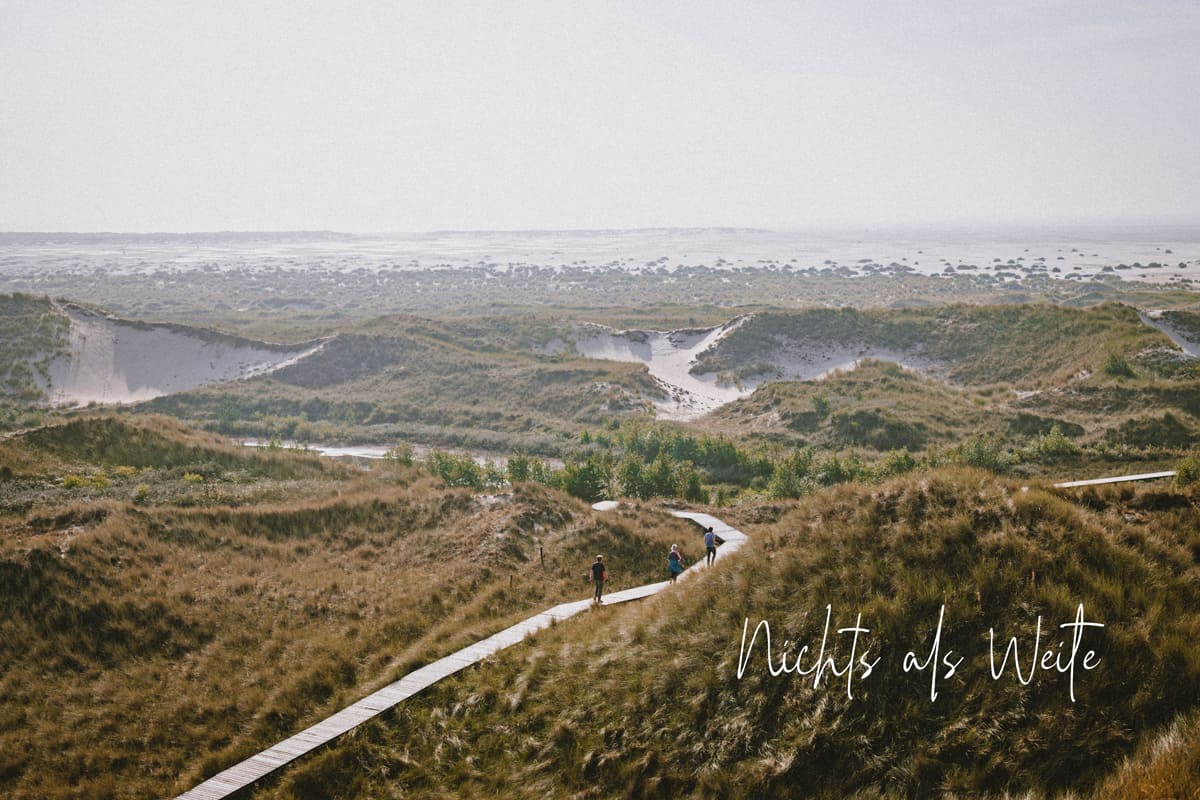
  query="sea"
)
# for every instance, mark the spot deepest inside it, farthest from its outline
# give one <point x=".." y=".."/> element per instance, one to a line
<point x="1157" y="253"/>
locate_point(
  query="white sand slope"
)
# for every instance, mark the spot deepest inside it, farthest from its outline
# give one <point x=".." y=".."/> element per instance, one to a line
<point x="808" y="361"/>
<point x="1182" y="340"/>
<point x="113" y="360"/>
<point x="669" y="356"/>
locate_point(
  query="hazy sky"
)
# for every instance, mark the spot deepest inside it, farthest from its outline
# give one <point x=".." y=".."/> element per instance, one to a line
<point x="410" y="116"/>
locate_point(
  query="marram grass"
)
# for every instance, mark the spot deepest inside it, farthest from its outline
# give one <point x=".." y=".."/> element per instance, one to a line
<point x="646" y="702"/>
<point x="144" y="647"/>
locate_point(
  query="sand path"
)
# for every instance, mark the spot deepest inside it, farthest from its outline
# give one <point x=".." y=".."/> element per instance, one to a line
<point x="669" y="356"/>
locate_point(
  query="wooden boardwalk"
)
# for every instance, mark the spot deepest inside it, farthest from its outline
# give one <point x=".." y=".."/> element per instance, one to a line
<point x="241" y="775"/>
<point x="1145" y="476"/>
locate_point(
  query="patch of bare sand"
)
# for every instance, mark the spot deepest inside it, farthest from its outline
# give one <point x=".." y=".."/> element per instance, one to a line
<point x="669" y="357"/>
<point x="111" y="360"/>
<point x="1184" y="340"/>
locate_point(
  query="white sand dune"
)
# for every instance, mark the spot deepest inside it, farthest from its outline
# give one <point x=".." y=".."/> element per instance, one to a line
<point x="111" y="360"/>
<point x="669" y="356"/>
<point x="808" y="361"/>
<point x="1182" y="340"/>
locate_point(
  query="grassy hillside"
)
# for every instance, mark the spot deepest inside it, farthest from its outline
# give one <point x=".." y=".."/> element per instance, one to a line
<point x="1013" y="373"/>
<point x="32" y="332"/>
<point x="170" y="603"/>
<point x="877" y="406"/>
<point x="1026" y="345"/>
<point x="654" y="706"/>
<point x="156" y="461"/>
<point x="509" y="382"/>
<point x="498" y="383"/>
<point x="150" y="639"/>
<point x="475" y="382"/>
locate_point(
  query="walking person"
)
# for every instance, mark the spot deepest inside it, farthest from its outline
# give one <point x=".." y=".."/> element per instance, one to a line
<point x="674" y="562"/>
<point x="710" y="546"/>
<point x="599" y="576"/>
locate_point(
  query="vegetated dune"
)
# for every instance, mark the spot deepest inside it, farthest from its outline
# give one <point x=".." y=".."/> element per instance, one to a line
<point x="112" y="360"/>
<point x="469" y="384"/>
<point x="966" y="344"/>
<point x="650" y="701"/>
<point x="875" y="406"/>
<point x="155" y="628"/>
<point x="1099" y="374"/>
<point x="703" y="370"/>
<point x="681" y="362"/>
<point x="32" y="333"/>
<point x="1182" y="327"/>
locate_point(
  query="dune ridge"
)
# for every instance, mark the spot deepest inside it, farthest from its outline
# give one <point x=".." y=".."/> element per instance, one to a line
<point x="113" y="360"/>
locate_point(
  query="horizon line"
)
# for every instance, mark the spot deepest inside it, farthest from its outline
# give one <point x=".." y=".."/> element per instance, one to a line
<point x="814" y="227"/>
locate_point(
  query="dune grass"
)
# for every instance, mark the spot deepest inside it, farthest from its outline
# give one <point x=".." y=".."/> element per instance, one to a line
<point x="172" y="603"/>
<point x="32" y="332"/>
<point x="1042" y="344"/>
<point x="145" y="646"/>
<point x="1167" y="765"/>
<point x="489" y="383"/>
<point x="468" y="383"/>
<point x="654" y="707"/>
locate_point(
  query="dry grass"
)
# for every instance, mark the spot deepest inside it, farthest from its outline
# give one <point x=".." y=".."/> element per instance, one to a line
<point x="644" y="701"/>
<point x="143" y="648"/>
<point x="1165" y="766"/>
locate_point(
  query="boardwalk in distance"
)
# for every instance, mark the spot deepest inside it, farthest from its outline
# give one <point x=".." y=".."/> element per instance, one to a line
<point x="1145" y="476"/>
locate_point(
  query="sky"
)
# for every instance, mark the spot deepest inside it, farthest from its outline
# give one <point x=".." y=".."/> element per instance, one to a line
<point x="415" y="116"/>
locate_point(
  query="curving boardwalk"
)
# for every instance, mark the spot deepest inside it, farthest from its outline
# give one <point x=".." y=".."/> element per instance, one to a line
<point x="241" y="775"/>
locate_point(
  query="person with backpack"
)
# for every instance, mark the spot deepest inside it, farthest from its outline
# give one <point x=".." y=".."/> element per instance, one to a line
<point x="674" y="562"/>
<point x="710" y="546"/>
<point x="599" y="576"/>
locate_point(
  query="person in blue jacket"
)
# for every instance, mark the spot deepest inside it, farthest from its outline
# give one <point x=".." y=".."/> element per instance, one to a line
<point x="674" y="562"/>
<point x="710" y="546"/>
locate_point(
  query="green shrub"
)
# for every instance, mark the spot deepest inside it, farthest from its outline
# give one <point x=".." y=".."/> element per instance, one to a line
<point x="896" y="462"/>
<point x="1116" y="366"/>
<point x="984" y="452"/>
<point x="1187" y="470"/>
<point x="587" y="480"/>
<point x="1055" y="446"/>
<point x="400" y="454"/>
